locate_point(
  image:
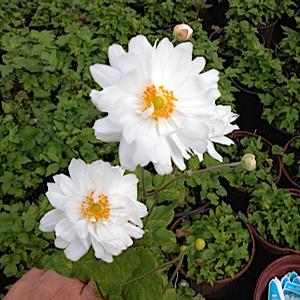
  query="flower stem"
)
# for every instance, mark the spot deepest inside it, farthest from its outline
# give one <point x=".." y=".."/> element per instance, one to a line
<point x="192" y="172"/>
<point x="178" y="266"/>
<point x="151" y="209"/>
<point x="144" y="192"/>
<point x="163" y="266"/>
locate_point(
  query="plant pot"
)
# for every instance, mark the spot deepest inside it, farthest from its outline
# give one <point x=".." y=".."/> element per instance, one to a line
<point x="239" y="134"/>
<point x="209" y="290"/>
<point x="273" y="134"/>
<point x="277" y="268"/>
<point x="269" y="247"/>
<point x="267" y="32"/>
<point x="294" y="181"/>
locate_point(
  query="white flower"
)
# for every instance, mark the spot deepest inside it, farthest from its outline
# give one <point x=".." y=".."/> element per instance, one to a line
<point x="97" y="205"/>
<point x="159" y="107"/>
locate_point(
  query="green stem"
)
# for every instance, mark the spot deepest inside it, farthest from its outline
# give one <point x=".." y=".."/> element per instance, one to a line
<point x="200" y="9"/>
<point x="144" y="193"/>
<point x="178" y="266"/>
<point x="151" y="209"/>
<point x="163" y="266"/>
<point x="192" y="172"/>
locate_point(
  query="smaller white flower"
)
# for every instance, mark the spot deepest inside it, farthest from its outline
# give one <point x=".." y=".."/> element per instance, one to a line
<point x="96" y="206"/>
<point x="220" y="126"/>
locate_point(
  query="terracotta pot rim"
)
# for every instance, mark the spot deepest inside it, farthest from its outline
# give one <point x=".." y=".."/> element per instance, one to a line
<point x="280" y="265"/>
<point x="237" y="275"/>
<point x="278" y="249"/>
<point x="277" y="160"/>
<point x="284" y="169"/>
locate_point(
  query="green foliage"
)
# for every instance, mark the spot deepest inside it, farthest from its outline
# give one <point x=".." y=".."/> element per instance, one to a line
<point x="227" y="245"/>
<point x="275" y="215"/>
<point x="266" y="169"/>
<point x="205" y="187"/>
<point x="276" y="79"/>
<point x="259" y="12"/>
<point x="289" y="46"/>
<point x="23" y="245"/>
<point x="253" y="65"/>
<point x="291" y="158"/>
<point x="281" y="105"/>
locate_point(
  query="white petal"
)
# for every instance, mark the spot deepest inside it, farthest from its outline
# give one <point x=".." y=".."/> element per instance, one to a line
<point x="114" y="52"/>
<point x="100" y="252"/>
<point x="163" y="169"/>
<point x="132" y="82"/>
<point x="76" y="250"/>
<point x="60" y="243"/>
<point x="77" y="171"/>
<point x="50" y="219"/>
<point x="65" y="229"/>
<point x="73" y="210"/>
<point x="139" y="44"/>
<point x="134" y="231"/>
<point x="57" y="200"/>
<point x="160" y="57"/>
<point x="81" y="228"/>
<point x="106" y="130"/>
<point x="66" y="185"/>
<point x="148" y="112"/>
<point x="107" y="99"/>
<point x="125" y="155"/>
<point x="166" y="126"/>
<point x="104" y="75"/>
<point x="222" y="140"/>
<point x="197" y="65"/>
<point x="178" y="60"/>
<point x="213" y="153"/>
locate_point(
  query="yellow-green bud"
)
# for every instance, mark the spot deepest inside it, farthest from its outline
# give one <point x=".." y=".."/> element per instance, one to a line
<point x="183" y="248"/>
<point x="248" y="162"/>
<point x="199" y="244"/>
<point x="182" y="32"/>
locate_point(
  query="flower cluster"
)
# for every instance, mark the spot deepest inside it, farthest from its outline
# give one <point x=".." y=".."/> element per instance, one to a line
<point x="161" y="109"/>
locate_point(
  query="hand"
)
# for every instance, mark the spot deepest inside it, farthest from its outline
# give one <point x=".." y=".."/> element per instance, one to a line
<point x="45" y="285"/>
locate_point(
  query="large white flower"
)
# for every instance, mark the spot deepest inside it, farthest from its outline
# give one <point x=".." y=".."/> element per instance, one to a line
<point x="159" y="107"/>
<point x="97" y="205"/>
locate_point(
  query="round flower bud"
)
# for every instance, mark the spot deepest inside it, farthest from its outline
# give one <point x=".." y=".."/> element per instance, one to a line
<point x="249" y="162"/>
<point x="183" y="248"/>
<point x="199" y="244"/>
<point x="183" y="284"/>
<point x="182" y="32"/>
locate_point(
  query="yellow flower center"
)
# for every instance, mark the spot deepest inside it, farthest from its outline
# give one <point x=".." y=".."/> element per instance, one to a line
<point x="162" y="101"/>
<point x="95" y="208"/>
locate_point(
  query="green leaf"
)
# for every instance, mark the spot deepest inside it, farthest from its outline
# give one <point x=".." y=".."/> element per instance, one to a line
<point x="164" y="214"/>
<point x="52" y="169"/>
<point x="170" y="294"/>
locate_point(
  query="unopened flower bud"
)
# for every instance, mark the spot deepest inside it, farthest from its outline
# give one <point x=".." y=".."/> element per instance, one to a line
<point x="182" y="32"/>
<point x="249" y="162"/>
<point x="183" y="284"/>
